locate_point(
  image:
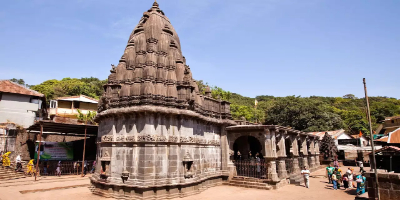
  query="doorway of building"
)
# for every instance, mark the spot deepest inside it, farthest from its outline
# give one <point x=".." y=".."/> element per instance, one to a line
<point x="246" y="147"/>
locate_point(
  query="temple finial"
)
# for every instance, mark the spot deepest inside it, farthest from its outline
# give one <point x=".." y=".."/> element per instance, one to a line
<point x="155" y="4"/>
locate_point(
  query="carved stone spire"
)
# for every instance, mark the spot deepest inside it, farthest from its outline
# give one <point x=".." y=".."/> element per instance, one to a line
<point x="153" y="70"/>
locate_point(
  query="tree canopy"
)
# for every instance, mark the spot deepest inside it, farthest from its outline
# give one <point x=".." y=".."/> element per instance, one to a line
<point x="313" y="113"/>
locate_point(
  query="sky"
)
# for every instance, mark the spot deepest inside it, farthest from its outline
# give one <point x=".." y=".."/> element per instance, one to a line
<point x="254" y="47"/>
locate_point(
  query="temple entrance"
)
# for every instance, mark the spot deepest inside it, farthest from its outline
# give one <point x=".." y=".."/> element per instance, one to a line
<point x="248" y="158"/>
<point x="247" y="147"/>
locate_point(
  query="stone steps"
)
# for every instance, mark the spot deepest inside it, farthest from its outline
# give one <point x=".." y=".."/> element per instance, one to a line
<point x="10" y="173"/>
<point x="248" y="182"/>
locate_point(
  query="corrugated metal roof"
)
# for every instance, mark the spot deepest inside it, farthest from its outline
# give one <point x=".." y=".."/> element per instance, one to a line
<point x="7" y="86"/>
<point x="81" y="98"/>
<point x="394" y="136"/>
<point x="334" y="134"/>
<point x="383" y="139"/>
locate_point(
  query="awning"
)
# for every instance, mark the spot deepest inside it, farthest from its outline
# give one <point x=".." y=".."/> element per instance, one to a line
<point x="54" y="128"/>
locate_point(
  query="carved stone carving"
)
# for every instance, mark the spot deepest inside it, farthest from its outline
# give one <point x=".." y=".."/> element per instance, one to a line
<point x="120" y="139"/>
<point x="147" y="138"/>
<point x="130" y="138"/>
<point x="107" y="138"/>
<point x="173" y="138"/>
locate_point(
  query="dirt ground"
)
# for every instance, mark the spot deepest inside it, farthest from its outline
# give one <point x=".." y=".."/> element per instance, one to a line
<point x="51" y="186"/>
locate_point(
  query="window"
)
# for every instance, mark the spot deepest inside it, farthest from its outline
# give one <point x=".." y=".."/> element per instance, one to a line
<point x="53" y="104"/>
<point x="76" y="104"/>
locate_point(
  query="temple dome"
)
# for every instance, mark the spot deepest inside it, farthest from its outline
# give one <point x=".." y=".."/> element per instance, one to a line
<point x="153" y="71"/>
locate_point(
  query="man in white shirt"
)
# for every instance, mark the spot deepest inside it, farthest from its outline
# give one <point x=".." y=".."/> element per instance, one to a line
<point x="306" y="174"/>
<point x="361" y="165"/>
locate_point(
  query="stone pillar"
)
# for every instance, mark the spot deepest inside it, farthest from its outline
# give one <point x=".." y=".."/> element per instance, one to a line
<point x="316" y="146"/>
<point x="312" y="164"/>
<point x="281" y="153"/>
<point x="227" y="164"/>
<point x="282" y="173"/>
<point x="270" y="154"/>
<point x="296" y="168"/>
<point x="295" y="151"/>
<point x="305" y="161"/>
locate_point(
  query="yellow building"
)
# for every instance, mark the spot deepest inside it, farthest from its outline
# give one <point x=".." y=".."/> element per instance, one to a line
<point x="68" y="106"/>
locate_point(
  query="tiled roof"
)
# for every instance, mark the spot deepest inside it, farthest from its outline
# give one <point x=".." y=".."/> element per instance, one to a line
<point x="334" y="134"/>
<point x="7" y="86"/>
<point x="394" y="137"/>
<point x="388" y="148"/>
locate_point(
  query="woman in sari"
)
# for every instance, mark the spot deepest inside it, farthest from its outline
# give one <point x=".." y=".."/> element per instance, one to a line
<point x="360" y="184"/>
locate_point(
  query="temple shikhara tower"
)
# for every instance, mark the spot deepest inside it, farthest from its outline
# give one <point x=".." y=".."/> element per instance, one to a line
<point x="156" y="130"/>
<point x="160" y="137"/>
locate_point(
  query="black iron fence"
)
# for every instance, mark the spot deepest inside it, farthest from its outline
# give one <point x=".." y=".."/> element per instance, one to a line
<point x="49" y="168"/>
<point x="252" y="168"/>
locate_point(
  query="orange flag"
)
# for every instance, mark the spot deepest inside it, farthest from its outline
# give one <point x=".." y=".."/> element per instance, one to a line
<point x="360" y="134"/>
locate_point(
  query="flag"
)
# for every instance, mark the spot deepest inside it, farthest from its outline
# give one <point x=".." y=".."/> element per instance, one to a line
<point x="374" y="132"/>
<point x="360" y="134"/>
<point x="255" y="102"/>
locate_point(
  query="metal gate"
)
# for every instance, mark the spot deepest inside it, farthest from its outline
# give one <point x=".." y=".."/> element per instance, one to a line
<point x="289" y="165"/>
<point x="252" y="168"/>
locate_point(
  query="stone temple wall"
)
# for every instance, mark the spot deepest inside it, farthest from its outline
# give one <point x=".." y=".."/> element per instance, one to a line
<point x="152" y="148"/>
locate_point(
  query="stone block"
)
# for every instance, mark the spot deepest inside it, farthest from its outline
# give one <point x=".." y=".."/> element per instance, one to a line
<point x="394" y="195"/>
<point x="384" y="194"/>
<point x="385" y="185"/>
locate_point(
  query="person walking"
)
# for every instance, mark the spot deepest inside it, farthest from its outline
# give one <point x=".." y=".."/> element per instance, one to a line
<point x="334" y="181"/>
<point x="18" y="165"/>
<point x="58" y="170"/>
<point x="338" y="173"/>
<point x="306" y="174"/>
<point x="93" y="167"/>
<point x="329" y="171"/>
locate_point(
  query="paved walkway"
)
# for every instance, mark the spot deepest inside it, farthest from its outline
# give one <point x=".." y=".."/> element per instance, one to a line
<point x="77" y="189"/>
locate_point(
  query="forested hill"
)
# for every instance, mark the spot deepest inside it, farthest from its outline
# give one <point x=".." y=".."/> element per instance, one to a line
<point x="302" y="113"/>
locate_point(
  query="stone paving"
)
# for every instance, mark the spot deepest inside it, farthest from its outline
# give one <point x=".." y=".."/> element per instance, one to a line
<point x="76" y="188"/>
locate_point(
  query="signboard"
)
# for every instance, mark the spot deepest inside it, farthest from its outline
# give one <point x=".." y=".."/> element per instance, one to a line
<point x="355" y="142"/>
<point x="55" y="151"/>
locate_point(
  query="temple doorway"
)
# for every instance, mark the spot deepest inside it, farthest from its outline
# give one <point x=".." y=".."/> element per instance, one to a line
<point x="246" y="147"/>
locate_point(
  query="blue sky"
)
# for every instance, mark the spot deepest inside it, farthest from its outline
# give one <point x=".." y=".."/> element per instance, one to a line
<point x="254" y="47"/>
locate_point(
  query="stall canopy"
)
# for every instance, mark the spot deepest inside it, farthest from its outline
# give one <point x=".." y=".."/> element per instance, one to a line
<point x="54" y="128"/>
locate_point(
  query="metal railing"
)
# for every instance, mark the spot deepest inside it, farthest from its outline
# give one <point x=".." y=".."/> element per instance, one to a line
<point x="49" y="168"/>
<point x="252" y="168"/>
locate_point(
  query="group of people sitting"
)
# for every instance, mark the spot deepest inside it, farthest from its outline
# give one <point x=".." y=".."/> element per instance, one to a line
<point x="349" y="179"/>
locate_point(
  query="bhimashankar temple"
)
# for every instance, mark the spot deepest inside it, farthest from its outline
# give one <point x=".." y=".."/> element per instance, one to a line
<point x="159" y="137"/>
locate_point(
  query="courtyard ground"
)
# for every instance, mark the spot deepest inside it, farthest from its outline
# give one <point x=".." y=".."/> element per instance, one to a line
<point x="76" y="188"/>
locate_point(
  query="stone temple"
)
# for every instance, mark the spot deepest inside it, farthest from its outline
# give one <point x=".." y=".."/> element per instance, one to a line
<point x="160" y="137"/>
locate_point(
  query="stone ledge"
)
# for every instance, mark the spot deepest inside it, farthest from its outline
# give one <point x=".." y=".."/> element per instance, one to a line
<point x="159" y="109"/>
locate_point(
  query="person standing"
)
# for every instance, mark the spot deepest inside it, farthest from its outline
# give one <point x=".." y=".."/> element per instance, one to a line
<point x="361" y="165"/>
<point x="306" y="174"/>
<point x="345" y="181"/>
<point x="329" y="171"/>
<point x="334" y="181"/>
<point x="350" y="177"/>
